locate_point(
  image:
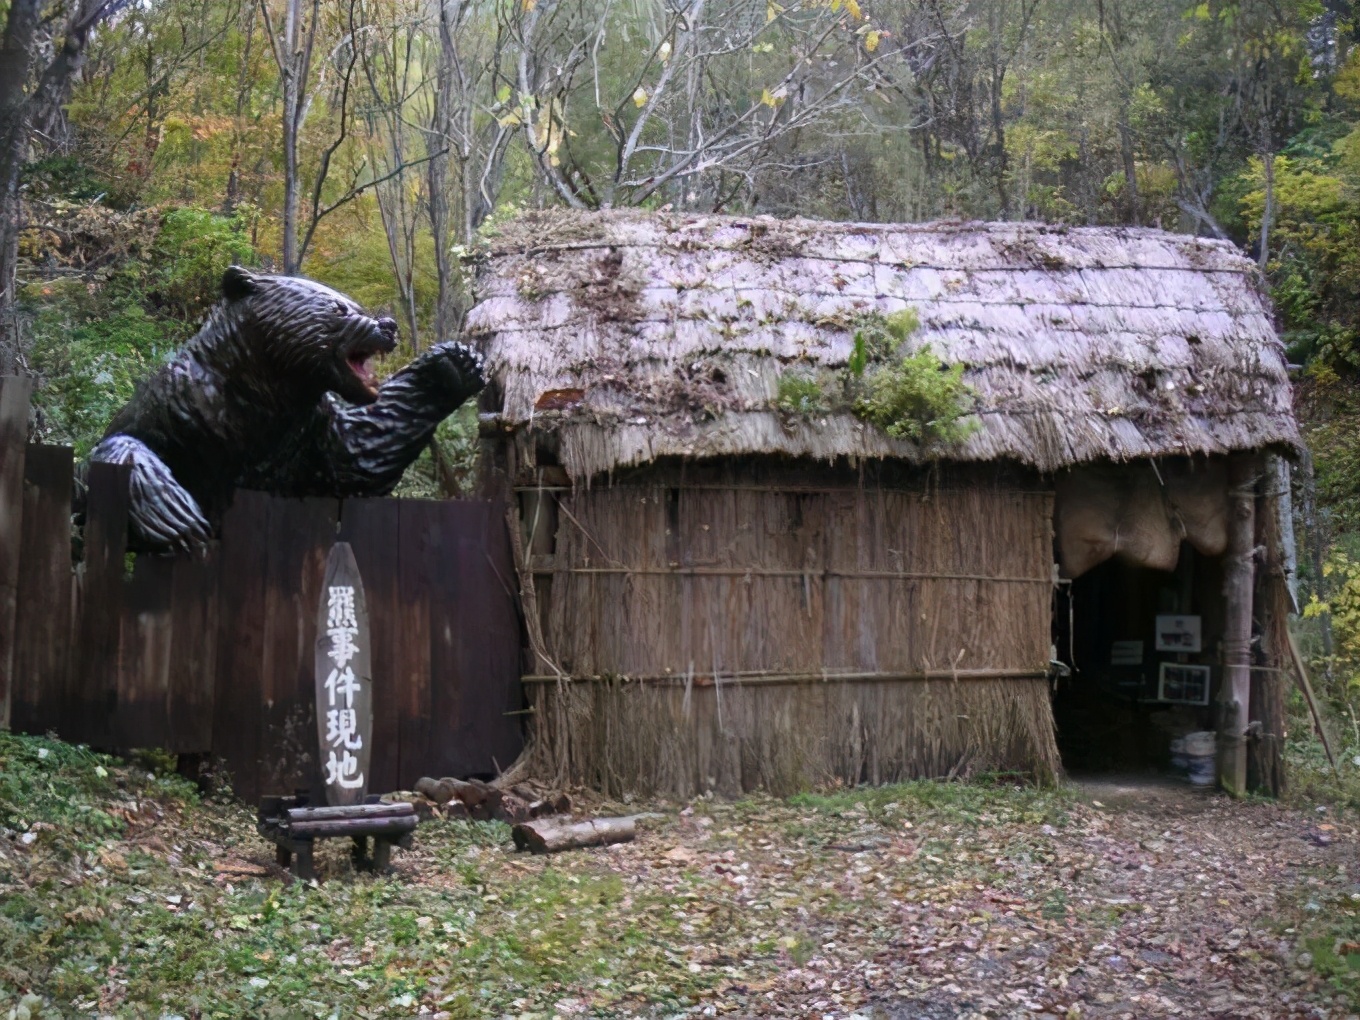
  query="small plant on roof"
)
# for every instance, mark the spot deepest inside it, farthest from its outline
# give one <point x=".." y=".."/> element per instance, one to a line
<point x="800" y="394"/>
<point x="917" y="397"/>
<point x="877" y="337"/>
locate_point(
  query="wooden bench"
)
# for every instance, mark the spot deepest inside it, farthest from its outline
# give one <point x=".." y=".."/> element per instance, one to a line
<point x="293" y="827"/>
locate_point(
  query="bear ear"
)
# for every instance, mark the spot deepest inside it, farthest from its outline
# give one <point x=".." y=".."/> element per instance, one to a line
<point x="238" y="283"/>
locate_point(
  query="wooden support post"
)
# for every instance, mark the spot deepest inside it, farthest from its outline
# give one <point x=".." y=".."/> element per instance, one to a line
<point x="14" y="394"/>
<point x="1239" y="572"/>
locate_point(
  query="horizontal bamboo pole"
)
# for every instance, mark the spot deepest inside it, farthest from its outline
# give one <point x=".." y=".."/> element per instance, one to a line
<point x="760" y="677"/>
<point x="890" y="575"/>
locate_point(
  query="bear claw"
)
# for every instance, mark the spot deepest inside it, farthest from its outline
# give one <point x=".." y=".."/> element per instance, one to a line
<point x="467" y="363"/>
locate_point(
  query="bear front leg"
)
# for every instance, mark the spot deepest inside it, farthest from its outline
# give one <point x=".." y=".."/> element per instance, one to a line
<point x="345" y="450"/>
<point x="162" y="515"/>
<point x="372" y="446"/>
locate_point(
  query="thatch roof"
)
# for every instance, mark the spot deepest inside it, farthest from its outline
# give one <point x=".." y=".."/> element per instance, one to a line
<point x="637" y="336"/>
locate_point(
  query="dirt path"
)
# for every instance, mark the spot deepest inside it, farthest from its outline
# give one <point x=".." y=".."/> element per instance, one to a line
<point x="1158" y="901"/>
<point x="1146" y="900"/>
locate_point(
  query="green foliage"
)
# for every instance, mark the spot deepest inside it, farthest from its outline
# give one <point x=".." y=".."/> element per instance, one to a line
<point x="90" y="364"/>
<point x="877" y="338"/>
<point x="801" y="394"/>
<point x="191" y="252"/>
<point x="457" y="441"/>
<point x="61" y="792"/>
<point x="1315" y="244"/>
<point x="916" y="396"/>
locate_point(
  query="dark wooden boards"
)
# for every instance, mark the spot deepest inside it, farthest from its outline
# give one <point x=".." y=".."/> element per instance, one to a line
<point x="14" y="394"/>
<point x="214" y="654"/>
<point x="97" y="627"/>
<point x="42" y="624"/>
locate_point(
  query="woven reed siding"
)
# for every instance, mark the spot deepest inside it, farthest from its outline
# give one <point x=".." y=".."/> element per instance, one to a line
<point x="767" y="591"/>
<point x="1081" y="344"/>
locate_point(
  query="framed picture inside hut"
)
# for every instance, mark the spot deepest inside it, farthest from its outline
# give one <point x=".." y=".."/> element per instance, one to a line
<point x="1183" y="683"/>
<point x="1178" y="634"/>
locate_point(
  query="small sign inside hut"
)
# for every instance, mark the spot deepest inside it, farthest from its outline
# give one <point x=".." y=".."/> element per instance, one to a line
<point x="344" y="682"/>
<point x="1178" y="634"/>
<point x="1126" y="653"/>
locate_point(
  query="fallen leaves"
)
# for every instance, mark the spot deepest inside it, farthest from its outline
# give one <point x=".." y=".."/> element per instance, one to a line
<point x="929" y="900"/>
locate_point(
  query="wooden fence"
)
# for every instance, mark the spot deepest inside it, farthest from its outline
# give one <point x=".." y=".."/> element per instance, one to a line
<point x="212" y="654"/>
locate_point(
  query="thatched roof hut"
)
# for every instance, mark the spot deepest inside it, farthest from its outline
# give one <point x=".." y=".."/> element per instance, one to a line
<point x="635" y="337"/>
<point x="636" y="354"/>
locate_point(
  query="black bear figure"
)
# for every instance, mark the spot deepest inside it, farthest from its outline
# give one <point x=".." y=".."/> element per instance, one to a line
<point x="277" y="392"/>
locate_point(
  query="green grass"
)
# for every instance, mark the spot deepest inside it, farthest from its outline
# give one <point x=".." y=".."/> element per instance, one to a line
<point x="124" y="894"/>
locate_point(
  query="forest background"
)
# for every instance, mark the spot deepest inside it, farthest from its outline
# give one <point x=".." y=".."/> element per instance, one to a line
<point x="147" y="144"/>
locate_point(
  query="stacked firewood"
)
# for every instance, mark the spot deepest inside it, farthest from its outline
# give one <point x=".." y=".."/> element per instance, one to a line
<point x="541" y="819"/>
<point x="482" y="802"/>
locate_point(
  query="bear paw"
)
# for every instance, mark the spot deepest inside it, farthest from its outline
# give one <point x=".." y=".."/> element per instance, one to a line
<point x="459" y="368"/>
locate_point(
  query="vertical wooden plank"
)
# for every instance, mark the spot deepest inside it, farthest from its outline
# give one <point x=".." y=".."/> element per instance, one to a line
<point x="14" y="394"/>
<point x="143" y="684"/>
<point x="419" y="551"/>
<point x="371" y="527"/>
<point x="98" y="630"/>
<point x="237" y="701"/>
<point x="42" y="624"/>
<point x="193" y="652"/>
<point x="300" y="533"/>
<point x="475" y="635"/>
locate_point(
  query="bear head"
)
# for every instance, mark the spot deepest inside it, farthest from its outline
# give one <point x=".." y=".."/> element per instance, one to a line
<point x="316" y="337"/>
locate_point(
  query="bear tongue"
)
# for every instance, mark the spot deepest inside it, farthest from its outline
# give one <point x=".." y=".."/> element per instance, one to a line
<point x="359" y="365"/>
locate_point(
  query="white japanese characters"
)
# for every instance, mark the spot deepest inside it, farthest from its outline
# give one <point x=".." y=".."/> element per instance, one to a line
<point x="342" y="726"/>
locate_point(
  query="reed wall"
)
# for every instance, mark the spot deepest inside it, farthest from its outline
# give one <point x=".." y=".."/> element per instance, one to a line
<point x="707" y="633"/>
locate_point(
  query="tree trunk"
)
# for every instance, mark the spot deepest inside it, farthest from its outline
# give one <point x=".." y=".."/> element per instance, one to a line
<point x="16" y="61"/>
<point x="25" y="96"/>
<point x="445" y="310"/>
<point x="1130" y="167"/>
<point x="244" y="87"/>
<point x="290" y="171"/>
<point x="1268" y="213"/>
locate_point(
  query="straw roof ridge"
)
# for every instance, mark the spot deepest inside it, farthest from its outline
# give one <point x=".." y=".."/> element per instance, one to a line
<point x="635" y="336"/>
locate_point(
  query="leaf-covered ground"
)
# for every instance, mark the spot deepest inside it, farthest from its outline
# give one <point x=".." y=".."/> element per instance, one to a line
<point x="123" y="895"/>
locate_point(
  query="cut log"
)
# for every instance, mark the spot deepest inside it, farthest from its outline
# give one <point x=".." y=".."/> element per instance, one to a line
<point x="473" y="793"/>
<point x="441" y="791"/>
<point x="550" y="835"/>
<point x="392" y="825"/>
<point x="326" y="814"/>
<point x="513" y="809"/>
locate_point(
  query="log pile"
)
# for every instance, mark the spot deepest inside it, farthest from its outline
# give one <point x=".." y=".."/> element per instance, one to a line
<point x="482" y="802"/>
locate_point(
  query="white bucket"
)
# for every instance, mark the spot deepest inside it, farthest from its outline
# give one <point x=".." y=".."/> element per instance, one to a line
<point x="1200" y="749"/>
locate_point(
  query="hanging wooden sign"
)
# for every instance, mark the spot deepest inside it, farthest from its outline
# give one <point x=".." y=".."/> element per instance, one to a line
<point x="344" y="680"/>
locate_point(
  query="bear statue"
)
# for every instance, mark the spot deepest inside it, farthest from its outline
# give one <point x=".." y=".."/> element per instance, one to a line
<point x="276" y="392"/>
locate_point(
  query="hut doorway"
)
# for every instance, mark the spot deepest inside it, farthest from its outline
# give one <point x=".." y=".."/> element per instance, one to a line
<point x="1139" y="646"/>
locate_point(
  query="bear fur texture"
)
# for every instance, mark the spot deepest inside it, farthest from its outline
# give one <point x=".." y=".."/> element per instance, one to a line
<point x="277" y="392"/>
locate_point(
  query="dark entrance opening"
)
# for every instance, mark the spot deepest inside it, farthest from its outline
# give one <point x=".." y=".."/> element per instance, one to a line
<point x="1125" y="698"/>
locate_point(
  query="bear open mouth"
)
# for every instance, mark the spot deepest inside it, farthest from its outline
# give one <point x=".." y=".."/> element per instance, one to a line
<point x="361" y="364"/>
